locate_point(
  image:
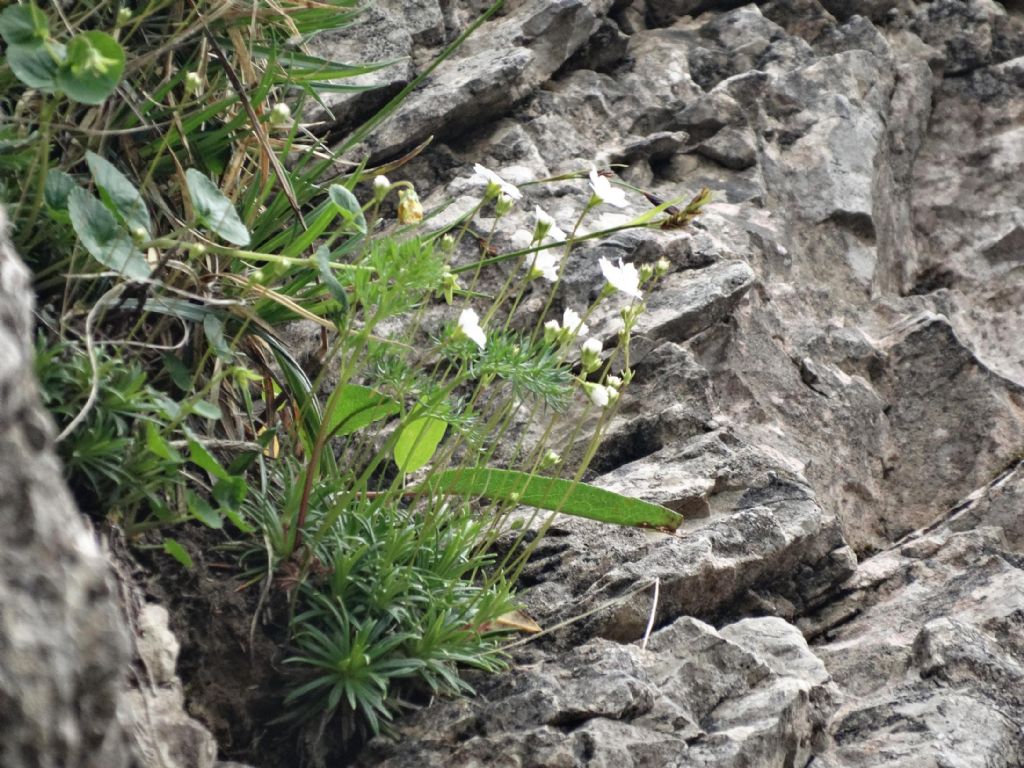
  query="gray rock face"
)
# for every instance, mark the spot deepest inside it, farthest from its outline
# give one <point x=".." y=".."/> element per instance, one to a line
<point x="926" y="646"/>
<point x="831" y="372"/>
<point x="63" y="644"/>
<point x="65" y="650"/>
<point x="751" y="694"/>
<point x="828" y="384"/>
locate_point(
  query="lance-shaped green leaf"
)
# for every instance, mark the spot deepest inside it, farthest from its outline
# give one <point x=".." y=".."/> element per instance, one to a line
<point x="119" y="193"/>
<point x="175" y="550"/>
<point x="417" y="442"/>
<point x="553" y="493"/>
<point x="323" y="262"/>
<point x="358" y="407"/>
<point x="103" y="237"/>
<point x="214" y="210"/>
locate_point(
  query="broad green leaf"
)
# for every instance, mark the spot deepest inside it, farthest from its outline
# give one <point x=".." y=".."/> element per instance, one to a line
<point x="34" y="64"/>
<point x="230" y="492"/>
<point x="357" y="407"/>
<point x="202" y="511"/>
<point x="214" y="210"/>
<point x="119" y="193"/>
<point x="157" y="445"/>
<point x="93" y="67"/>
<point x="553" y="493"/>
<point x="348" y="206"/>
<point x="206" y="409"/>
<point x="214" y="329"/>
<point x="103" y="237"/>
<point x="178" y="371"/>
<point x="198" y="455"/>
<point x="418" y="441"/>
<point x="23" y="24"/>
<point x="323" y="259"/>
<point x="57" y="188"/>
<point x="175" y="550"/>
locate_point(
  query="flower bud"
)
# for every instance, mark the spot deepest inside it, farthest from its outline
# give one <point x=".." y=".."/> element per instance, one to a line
<point x="124" y="15"/>
<point x="280" y="114"/>
<point x="449" y="284"/>
<point x="630" y="314"/>
<point x="447" y="244"/>
<point x="193" y="83"/>
<point x="646" y="272"/>
<point x="662" y="266"/>
<point x="590" y="355"/>
<point x="139" y="234"/>
<point x="550" y="459"/>
<point x="381" y="185"/>
<point x="197" y="250"/>
<point x="613" y="381"/>
<point x="503" y="204"/>
<point x="409" y="209"/>
<point x="598" y="394"/>
<point x="552" y="332"/>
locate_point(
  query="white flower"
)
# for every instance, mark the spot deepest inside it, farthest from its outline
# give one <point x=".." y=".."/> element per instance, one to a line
<point x="381" y="183"/>
<point x="593" y="346"/>
<point x="605" y="192"/>
<point x="544" y="264"/>
<point x="623" y="278"/>
<point x="599" y="394"/>
<point x="573" y="323"/>
<point x="552" y="331"/>
<point x="615" y="382"/>
<point x="493" y="179"/>
<point x="545" y="226"/>
<point x="469" y="324"/>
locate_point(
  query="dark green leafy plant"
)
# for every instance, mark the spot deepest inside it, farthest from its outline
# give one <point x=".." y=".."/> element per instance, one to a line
<point x="174" y="229"/>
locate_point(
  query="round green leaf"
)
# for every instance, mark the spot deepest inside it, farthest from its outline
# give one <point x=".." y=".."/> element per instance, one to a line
<point x="92" y="68"/>
<point x="418" y="441"/>
<point x="34" y="64"/>
<point x="214" y="210"/>
<point x="23" y="24"/>
<point x="57" y="188"/>
<point x="103" y="237"/>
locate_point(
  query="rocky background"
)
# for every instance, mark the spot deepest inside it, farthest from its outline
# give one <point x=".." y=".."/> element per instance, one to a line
<point x="829" y="383"/>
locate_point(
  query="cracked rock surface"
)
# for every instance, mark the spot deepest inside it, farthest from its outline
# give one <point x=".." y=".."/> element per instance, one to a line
<point x="829" y="385"/>
<point x="828" y="382"/>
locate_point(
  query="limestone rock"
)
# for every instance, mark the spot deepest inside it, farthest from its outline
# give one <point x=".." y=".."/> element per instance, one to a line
<point x="63" y="641"/>
<point x="750" y="694"/>
<point x="926" y="645"/>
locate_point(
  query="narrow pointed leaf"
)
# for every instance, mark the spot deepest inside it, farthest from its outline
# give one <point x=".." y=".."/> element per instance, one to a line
<point x="175" y="550"/>
<point x="553" y="493"/>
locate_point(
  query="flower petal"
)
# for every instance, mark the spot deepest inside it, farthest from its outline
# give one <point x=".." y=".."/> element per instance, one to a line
<point x="469" y="324"/>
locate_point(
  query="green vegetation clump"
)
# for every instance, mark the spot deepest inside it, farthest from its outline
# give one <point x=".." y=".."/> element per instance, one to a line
<point x="177" y="214"/>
